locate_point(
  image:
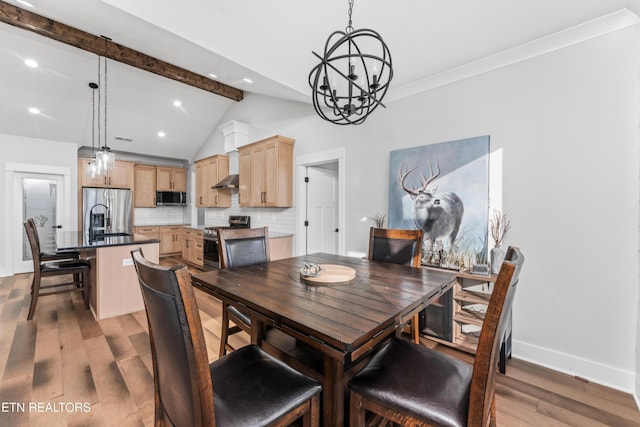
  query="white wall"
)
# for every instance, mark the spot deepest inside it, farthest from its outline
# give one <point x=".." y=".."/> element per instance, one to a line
<point x="31" y="151"/>
<point x="566" y="124"/>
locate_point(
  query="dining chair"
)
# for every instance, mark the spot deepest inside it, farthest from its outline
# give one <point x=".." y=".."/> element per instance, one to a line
<point x="245" y="388"/>
<point x="77" y="268"/>
<point x="413" y="385"/>
<point x="398" y="247"/>
<point x="239" y="247"/>
<point x="51" y="256"/>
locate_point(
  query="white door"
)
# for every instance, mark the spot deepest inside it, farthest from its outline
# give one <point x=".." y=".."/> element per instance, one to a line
<point x="322" y="209"/>
<point x="41" y="197"/>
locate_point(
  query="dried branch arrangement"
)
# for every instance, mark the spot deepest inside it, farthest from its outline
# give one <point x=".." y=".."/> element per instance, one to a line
<point x="499" y="226"/>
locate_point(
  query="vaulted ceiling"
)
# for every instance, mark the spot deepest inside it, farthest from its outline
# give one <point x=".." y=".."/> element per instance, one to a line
<point x="269" y="42"/>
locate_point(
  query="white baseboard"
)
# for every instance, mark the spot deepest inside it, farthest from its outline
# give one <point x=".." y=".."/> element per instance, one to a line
<point x="5" y="272"/>
<point x="599" y="373"/>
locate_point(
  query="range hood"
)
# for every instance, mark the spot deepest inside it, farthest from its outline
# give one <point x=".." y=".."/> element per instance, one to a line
<point x="230" y="181"/>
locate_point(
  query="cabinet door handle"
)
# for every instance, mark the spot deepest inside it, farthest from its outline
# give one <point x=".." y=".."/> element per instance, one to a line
<point x="216" y="199"/>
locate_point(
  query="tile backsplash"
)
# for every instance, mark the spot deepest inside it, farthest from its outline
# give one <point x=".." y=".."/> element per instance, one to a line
<point x="281" y="220"/>
<point x="160" y="215"/>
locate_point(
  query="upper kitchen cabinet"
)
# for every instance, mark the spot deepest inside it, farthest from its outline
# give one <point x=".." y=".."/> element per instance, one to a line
<point x="144" y="194"/>
<point x="209" y="172"/>
<point x="266" y="173"/>
<point x="121" y="176"/>
<point x="171" y="179"/>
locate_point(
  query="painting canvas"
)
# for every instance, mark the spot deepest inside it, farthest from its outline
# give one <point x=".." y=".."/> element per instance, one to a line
<point x="443" y="189"/>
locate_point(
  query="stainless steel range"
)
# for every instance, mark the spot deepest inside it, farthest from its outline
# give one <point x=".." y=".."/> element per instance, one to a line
<point x="210" y="240"/>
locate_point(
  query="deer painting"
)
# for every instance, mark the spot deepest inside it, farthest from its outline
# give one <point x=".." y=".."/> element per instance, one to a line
<point x="438" y="215"/>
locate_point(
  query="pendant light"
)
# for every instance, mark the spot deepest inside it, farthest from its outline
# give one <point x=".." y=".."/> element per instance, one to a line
<point x="93" y="166"/>
<point x="104" y="156"/>
<point x="353" y="75"/>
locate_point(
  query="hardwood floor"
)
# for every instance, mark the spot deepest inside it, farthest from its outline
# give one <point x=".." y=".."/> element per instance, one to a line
<point x="64" y="368"/>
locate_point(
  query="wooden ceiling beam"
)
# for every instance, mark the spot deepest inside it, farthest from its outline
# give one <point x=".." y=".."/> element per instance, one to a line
<point x="46" y="27"/>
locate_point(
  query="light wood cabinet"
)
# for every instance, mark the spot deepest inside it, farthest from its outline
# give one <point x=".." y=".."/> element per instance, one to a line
<point x="209" y="172"/>
<point x="144" y="190"/>
<point x="266" y="173"/>
<point x="171" y="179"/>
<point x="152" y="231"/>
<point x="121" y="176"/>
<point x="192" y="247"/>
<point x="170" y="239"/>
<point x="280" y="247"/>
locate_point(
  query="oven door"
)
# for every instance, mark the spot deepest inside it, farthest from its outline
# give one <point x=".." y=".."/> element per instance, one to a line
<point x="210" y="254"/>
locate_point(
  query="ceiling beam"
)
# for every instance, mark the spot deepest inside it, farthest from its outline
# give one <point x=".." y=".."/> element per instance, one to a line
<point x="101" y="46"/>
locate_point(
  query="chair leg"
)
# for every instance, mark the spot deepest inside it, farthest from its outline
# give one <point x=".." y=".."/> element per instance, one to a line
<point x="224" y="333"/>
<point x="86" y="287"/>
<point x="356" y="410"/>
<point x="35" y="291"/>
<point x="415" y="328"/>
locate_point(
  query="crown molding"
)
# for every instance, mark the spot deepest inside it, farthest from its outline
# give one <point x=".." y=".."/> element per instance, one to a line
<point x="595" y="28"/>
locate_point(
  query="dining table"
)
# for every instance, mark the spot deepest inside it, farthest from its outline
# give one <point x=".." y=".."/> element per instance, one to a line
<point x="336" y="326"/>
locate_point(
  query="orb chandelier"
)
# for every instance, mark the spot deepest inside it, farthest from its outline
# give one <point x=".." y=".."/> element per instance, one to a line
<point x="353" y="75"/>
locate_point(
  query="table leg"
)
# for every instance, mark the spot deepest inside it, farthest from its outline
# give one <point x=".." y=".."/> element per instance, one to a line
<point x="333" y="395"/>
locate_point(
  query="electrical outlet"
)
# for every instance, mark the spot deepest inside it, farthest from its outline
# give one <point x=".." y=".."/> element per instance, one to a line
<point x="127" y="262"/>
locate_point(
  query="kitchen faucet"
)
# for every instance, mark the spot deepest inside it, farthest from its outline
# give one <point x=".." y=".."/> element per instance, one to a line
<point x="106" y="221"/>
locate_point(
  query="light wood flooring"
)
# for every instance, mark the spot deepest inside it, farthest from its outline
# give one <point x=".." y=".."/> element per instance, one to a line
<point x="63" y="368"/>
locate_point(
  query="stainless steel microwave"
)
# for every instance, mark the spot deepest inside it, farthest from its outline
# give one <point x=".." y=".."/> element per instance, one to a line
<point x="171" y="198"/>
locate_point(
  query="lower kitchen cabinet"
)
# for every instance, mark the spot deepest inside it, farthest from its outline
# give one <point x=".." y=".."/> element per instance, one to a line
<point x="280" y="247"/>
<point x="170" y="239"/>
<point x="192" y="247"/>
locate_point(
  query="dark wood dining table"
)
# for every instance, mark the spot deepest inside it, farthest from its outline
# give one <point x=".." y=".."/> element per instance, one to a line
<point x="342" y="324"/>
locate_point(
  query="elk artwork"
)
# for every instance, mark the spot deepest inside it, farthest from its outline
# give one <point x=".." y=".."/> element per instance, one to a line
<point x="438" y="215"/>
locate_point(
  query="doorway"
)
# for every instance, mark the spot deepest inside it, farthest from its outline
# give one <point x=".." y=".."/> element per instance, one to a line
<point x="41" y="197"/>
<point x="321" y="202"/>
<point x="322" y="208"/>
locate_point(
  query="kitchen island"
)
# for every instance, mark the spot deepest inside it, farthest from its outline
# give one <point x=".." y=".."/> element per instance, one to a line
<point x="114" y="282"/>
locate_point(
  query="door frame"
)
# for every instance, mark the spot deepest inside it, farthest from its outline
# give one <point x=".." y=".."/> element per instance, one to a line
<point x="314" y="159"/>
<point x="13" y="210"/>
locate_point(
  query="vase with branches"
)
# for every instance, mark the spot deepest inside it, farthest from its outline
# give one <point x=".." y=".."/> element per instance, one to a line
<point x="378" y="219"/>
<point x="499" y="226"/>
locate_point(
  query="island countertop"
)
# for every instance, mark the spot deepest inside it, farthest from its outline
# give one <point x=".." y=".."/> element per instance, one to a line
<point x="77" y="240"/>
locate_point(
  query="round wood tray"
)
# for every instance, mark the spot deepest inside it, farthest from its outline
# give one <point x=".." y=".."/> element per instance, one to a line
<point x="330" y="274"/>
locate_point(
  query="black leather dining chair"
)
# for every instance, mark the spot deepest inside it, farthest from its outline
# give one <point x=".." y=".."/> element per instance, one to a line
<point x="413" y="385"/>
<point x="78" y="269"/>
<point x="46" y="256"/>
<point x="245" y="388"/>
<point x="239" y="247"/>
<point x="398" y="247"/>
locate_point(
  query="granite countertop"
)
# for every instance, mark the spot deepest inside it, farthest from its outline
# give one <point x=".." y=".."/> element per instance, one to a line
<point x="76" y="240"/>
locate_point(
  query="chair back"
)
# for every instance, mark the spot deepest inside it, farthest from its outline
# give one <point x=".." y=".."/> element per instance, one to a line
<point x="182" y="380"/>
<point x="396" y="246"/>
<point x="238" y="247"/>
<point x="493" y="329"/>
<point x="34" y="243"/>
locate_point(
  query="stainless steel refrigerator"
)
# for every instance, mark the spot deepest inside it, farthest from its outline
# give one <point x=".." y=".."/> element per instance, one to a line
<point x="111" y="207"/>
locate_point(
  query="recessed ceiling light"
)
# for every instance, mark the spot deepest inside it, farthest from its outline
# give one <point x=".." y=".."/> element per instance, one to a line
<point x="31" y="63"/>
<point x="34" y="110"/>
<point x="177" y="103"/>
<point x="25" y="3"/>
<point x="247" y="80"/>
<point x="161" y="134"/>
<point x="213" y="75"/>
